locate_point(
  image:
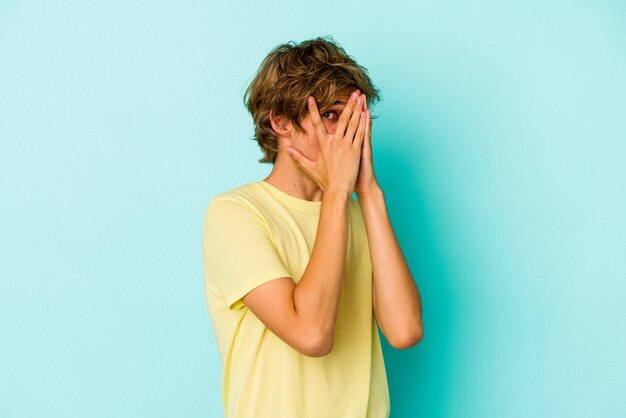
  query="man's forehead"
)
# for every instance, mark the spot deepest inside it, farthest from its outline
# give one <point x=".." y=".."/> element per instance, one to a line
<point x="340" y="101"/>
<point x="342" y="96"/>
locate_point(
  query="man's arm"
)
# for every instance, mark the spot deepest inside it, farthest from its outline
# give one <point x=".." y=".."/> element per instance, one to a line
<point x="304" y="315"/>
<point x="395" y="298"/>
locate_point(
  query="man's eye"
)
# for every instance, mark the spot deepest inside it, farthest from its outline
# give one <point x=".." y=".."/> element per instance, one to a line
<point x="330" y="112"/>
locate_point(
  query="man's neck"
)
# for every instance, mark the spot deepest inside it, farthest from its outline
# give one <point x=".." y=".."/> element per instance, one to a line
<point x="288" y="178"/>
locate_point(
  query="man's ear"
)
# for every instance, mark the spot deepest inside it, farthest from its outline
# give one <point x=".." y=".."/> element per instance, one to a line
<point x="281" y="125"/>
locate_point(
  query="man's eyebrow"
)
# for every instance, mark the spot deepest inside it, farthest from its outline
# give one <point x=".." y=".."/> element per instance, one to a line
<point x="337" y="103"/>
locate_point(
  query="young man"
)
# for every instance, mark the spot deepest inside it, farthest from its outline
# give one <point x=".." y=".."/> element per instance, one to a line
<point x="299" y="274"/>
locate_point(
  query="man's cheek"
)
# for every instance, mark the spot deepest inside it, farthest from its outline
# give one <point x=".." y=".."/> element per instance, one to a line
<point x="330" y="127"/>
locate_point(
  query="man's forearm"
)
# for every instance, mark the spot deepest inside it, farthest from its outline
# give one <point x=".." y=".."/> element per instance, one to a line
<point x="396" y="299"/>
<point x="317" y="295"/>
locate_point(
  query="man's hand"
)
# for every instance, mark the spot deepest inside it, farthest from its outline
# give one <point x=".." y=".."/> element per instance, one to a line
<point x="337" y="165"/>
<point x="366" y="181"/>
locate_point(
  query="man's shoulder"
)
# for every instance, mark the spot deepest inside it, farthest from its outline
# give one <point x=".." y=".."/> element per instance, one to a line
<point x="240" y="196"/>
<point x="242" y="192"/>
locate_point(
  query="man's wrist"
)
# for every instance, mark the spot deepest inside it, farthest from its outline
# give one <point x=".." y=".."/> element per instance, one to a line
<point x="336" y="195"/>
<point x="374" y="192"/>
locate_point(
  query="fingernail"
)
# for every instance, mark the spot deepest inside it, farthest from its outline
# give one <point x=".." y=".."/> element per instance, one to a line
<point x="288" y="150"/>
<point x="311" y="100"/>
<point x="354" y="94"/>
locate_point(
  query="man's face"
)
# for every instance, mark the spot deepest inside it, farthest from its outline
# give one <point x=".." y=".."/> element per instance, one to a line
<point x="307" y="142"/>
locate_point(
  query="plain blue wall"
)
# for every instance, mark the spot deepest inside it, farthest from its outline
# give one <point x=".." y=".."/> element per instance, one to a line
<point x="501" y="146"/>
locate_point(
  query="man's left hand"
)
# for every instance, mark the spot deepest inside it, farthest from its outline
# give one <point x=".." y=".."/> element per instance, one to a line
<point x="366" y="180"/>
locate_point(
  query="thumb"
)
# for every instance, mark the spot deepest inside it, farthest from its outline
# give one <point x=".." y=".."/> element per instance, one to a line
<point x="299" y="157"/>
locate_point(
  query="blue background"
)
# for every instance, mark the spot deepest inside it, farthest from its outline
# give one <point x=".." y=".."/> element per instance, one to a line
<point x="501" y="146"/>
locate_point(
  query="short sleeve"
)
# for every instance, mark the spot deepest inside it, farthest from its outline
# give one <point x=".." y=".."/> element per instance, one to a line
<point x="238" y="252"/>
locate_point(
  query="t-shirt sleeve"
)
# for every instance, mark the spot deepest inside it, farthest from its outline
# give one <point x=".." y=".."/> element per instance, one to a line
<point x="239" y="253"/>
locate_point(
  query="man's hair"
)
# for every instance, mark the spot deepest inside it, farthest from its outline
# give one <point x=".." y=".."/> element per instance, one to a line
<point x="290" y="73"/>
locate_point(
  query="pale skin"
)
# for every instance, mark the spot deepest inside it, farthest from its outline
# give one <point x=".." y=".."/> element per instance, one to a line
<point x="326" y="163"/>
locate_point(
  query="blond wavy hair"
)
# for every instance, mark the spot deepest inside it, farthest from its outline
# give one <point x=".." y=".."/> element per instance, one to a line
<point x="292" y="72"/>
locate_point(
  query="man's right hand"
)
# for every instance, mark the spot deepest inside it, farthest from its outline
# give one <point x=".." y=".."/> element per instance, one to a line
<point x="337" y="166"/>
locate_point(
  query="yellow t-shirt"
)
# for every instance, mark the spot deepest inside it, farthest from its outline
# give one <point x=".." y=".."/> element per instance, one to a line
<point x="255" y="233"/>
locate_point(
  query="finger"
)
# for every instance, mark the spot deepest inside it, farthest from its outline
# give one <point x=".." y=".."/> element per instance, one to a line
<point x="354" y="120"/>
<point x="346" y="114"/>
<point x="368" y="130"/>
<point x="360" y="132"/>
<point x="306" y="166"/>
<point x="367" y="125"/>
<point x="300" y="159"/>
<point x="316" y="120"/>
<point x="368" y="117"/>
